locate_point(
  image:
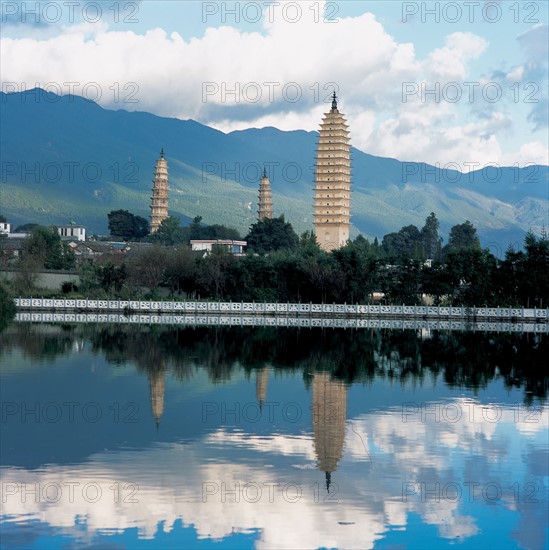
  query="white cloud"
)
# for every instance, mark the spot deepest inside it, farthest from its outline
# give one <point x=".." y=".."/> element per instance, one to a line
<point x="367" y="65"/>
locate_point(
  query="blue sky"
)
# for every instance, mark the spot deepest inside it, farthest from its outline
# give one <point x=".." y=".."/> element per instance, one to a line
<point x="235" y="65"/>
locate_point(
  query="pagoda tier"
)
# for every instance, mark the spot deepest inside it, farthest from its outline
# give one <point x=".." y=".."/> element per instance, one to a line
<point x="332" y="193"/>
<point x="159" y="198"/>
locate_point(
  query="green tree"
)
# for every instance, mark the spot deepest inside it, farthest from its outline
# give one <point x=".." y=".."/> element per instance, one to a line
<point x="149" y="266"/>
<point x="198" y="230"/>
<point x="169" y="233"/>
<point x="268" y="235"/>
<point x="430" y="237"/>
<point x="323" y="275"/>
<point x="7" y="307"/>
<point x="213" y="270"/>
<point x="471" y="272"/>
<point x="26" y="228"/>
<point x="436" y="282"/>
<point x="47" y="248"/>
<point x="462" y="237"/>
<point x="536" y="268"/>
<point x="401" y="284"/>
<point x="127" y="226"/>
<point x="511" y="276"/>
<point x="308" y="245"/>
<point x="112" y="277"/>
<point x="181" y="272"/>
<point x="404" y="245"/>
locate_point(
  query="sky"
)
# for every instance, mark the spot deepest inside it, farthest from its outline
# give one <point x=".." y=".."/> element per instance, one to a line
<point x="458" y="84"/>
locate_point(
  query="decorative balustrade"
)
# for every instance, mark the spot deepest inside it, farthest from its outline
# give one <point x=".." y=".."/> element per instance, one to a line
<point x="289" y="310"/>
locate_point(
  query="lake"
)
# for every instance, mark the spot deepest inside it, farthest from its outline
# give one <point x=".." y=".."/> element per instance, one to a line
<point x="258" y="437"/>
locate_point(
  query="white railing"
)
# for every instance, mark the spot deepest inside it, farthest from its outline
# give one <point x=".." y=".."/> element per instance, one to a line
<point x="287" y="309"/>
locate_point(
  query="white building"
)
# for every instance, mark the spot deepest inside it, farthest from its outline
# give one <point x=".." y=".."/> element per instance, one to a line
<point x="5" y="227"/>
<point x="77" y="232"/>
<point x="234" y="247"/>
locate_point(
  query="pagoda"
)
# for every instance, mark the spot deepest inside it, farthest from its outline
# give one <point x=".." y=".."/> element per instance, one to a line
<point x="265" y="197"/>
<point x="332" y="193"/>
<point x="159" y="199"/>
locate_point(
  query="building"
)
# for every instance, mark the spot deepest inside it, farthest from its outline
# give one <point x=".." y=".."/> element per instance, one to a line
<point x="93" y="251"/>
<point x="159" y="199"/>
<point x="234" y="247"/>
<point x="332" y="193"/>
<point x="5" y="227"/>
<point x="329" y="416"/>
<point x="77" y="232"/>
<point x="265" y="197"/>
<point x="11" y="249"/>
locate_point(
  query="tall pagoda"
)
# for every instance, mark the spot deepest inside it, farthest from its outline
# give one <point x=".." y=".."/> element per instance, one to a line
<point x="159" y="199"/>
<point x="265" y="197"/>
<point x="332" y="193"/>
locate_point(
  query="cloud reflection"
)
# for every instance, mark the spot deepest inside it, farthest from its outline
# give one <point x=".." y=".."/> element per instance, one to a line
<point x="381" y="453"/>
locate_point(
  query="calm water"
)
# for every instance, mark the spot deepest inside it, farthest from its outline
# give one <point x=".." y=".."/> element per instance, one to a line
<point x="151" y="437"/>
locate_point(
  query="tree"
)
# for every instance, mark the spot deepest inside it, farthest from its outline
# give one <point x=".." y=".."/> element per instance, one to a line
<point x="430" y="238"/>
<point x="197" y="230"/>
<point x="112" y="277"/>
<point x="212" y="271"/>
<point x="536" y="266"/>
<point x="27" y="274"/>
<point x="272" y="234"/>
<point x="181" y="271"/>
<point x="3" y="218"/>
<point x="323" y="274"/>
<point x="148" y="268"/>
<point x="169" y="232"/>
<point x="127" y="226"/>
<point x="406" y="244"/>
<point x="462" y="237"/>
<point x="471" y="272"/>
<point x="26" y="228"/>
<point x="7" y="307"/>
<point x="47" y="248"/>
<point x="308" y="245"/>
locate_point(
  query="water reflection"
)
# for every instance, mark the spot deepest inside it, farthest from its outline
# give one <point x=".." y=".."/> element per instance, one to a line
<point x="462" y="359"/>
<point x="274" y="438"/>
<point x="329" y="409"/>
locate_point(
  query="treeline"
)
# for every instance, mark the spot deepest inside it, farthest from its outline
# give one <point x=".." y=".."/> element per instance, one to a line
<point x="282" y="267"/>
<point x="128" y="227"/>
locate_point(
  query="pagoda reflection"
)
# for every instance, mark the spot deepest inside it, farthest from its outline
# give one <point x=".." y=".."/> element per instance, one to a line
<point x="329" y="411"/>
<point x="157" y="389"/>
<point x="261" y="381"/>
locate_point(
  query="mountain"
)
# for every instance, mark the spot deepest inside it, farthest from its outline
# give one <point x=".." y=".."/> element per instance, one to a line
<point x="66" y="158"/>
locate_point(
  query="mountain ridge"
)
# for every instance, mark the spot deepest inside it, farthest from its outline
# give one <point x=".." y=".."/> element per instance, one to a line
<point x="214" y="174"/>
